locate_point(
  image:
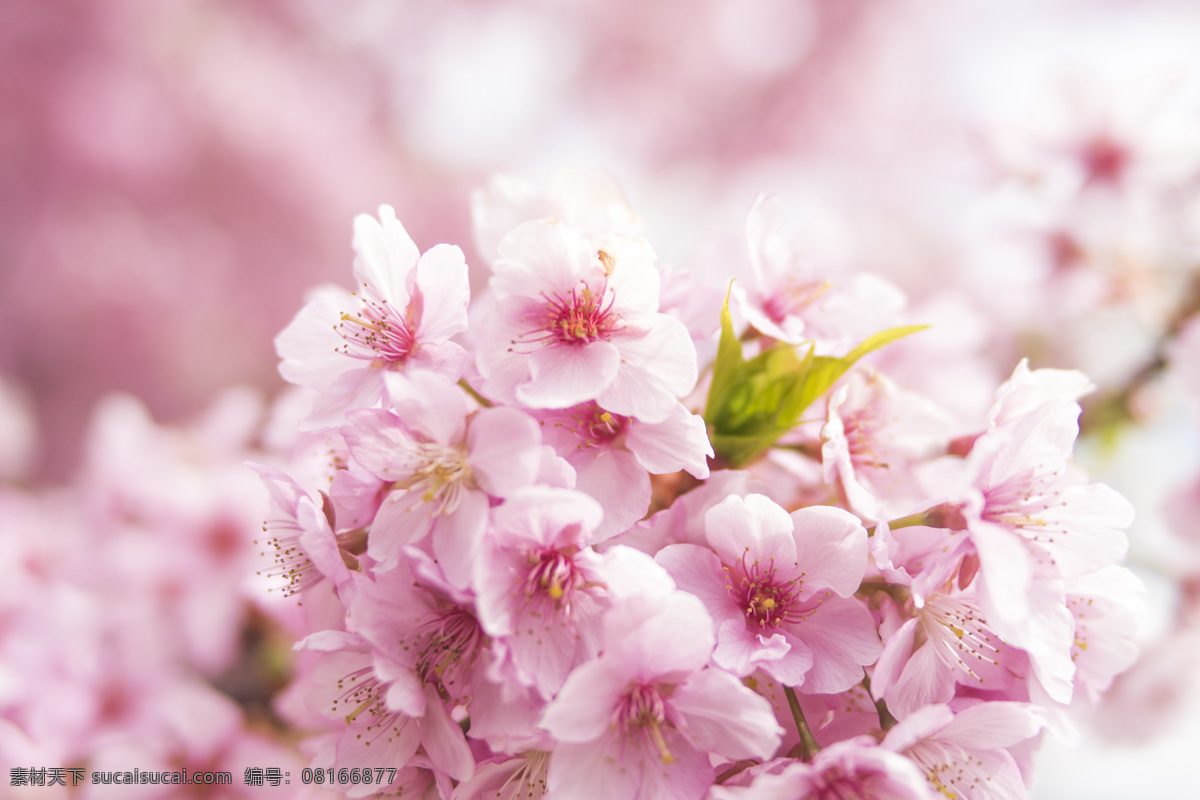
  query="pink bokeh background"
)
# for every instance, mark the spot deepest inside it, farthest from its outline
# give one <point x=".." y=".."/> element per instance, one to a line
<point x="174" y="177"/>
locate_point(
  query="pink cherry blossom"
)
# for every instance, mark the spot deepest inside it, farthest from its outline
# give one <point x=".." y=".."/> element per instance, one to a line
<point x="577" y="320"/>
<point x="613" y="456"/>
<point x="539" y="583"/>
<point x="305" y="549"/>
<point x="874" y="434"/>
<point x="638" y="721"/>
<point x="404" y="312"/>
<point x="795" y="298"/>
<point x="780" y="589"/>
<point x="1033" y="524"/>
<point x="852" y="768"/>
<point x="946" y="642"/>
<point x="965" y="753"/>
<point x="354" y="686"/>
<point x="442" y="467"/>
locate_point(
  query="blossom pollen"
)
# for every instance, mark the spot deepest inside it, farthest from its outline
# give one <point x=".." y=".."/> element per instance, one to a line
<point x="365" y="696"/>
<point x="593" y="426"/>
<point x="291" y="563"/>
<point x="553" y="576"/>
<point x="576" y="319"/>
<point x="793" y="298"/>
<point x="529" y="780"/>
<point x="379" y="332"/>
<point x="446" y="645"/>
<point x="764" y="598"/>
<point x="440" y="473"/>
<point x="641" y="711"/>
<point x="962" y="635"/>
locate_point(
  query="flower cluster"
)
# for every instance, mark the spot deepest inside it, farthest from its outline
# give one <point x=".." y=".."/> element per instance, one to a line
<point x="552" y="552"/>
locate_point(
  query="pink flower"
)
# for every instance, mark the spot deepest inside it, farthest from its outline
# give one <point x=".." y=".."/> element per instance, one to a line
<point x="441" y="465"/>
<point x="779" y="589"/>
<point x="415" y="653"/>
<point x="965" y="754"/>
<point x="638" y="722"/>
<point x="614" y="455"/>
<point x="387" y="713"/>
<point x="854" y="768"/>
<point x="1106" y="605"/>
<point x="874" y="434"/>
<point x="1033" y="525"/>
<point x="576" y="320"/>
<point x="520" y="777"/>
<point x="306" y="551"/>
<point x="794" y="300"/>
<point x="539" y="583"/>
<point x="402" y="314"/>
<point x="946" y="642"/>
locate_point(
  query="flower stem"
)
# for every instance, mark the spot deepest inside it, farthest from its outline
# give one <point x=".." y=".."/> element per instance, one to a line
<point x="886" y="720"/>
<point x="808" y="742"/>
<point x="483" y="401"/>
<point x="901" y="522"/>
<point x="943" y="515"/>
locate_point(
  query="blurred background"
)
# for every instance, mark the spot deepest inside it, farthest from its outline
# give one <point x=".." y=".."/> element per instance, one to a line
<point x="174" y="177"/>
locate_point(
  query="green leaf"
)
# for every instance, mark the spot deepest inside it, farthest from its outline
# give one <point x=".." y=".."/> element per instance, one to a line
<point x="752" y="403"/>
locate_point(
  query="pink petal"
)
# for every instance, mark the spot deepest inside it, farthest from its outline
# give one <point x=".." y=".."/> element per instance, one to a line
<point x="755" y="523"/>
<point x="925" y="680"/>
<point x="503" y="447"/>
<point x="620" y="484"/>
<point x="384" y="254"/>
<point x="308" y="346"/>
<point x="989" y="726"/>
<point x="584" y="706"/>
<point x="1090" y="518"/>
<point x="542" y="255"/>
<point x="359" y="387"/>
<point x="657" y="367"/>
<point x="831" y="547"/>
<point x="457" y="536"/>
<point x="540" y="516"/>
<point x="443" y="740"/>
<point x="679" y="442"/>
<point x="697" y="570"/>
<point x="741" y="651"/>
<point x="441" y="294"/>
<point x="565" y="375"/>
<point x="283" y="489"/>
<point x="721" y="715"/>
<point x="429" y="404"/>
<point x="896" y="651"/>
<point x="654" y="636"/>
<point x="378" y="443"/>
<point x="447" y="359"/>
<point x="402" y="519"/>
<point x="635" y="279"/>
<point x="630" y="573"/>
<point x="841" y="634"/>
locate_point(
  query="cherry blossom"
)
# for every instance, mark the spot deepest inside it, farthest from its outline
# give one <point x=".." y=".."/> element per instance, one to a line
<point x="576" y="320"/>
<point x="637" y="721"/>
<point x="404" y="312"/>
<point x="779" y="588"/>
<point x="441" y="467"/>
